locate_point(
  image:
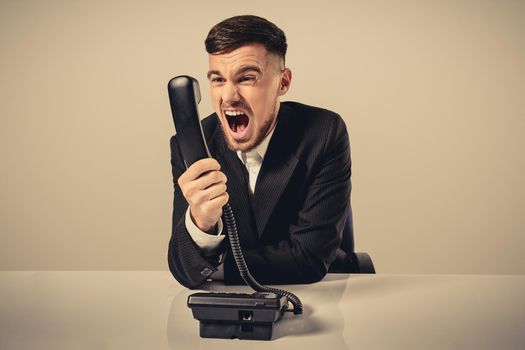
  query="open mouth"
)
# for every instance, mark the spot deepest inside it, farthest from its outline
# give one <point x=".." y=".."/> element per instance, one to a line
<point x="237" y="120"/>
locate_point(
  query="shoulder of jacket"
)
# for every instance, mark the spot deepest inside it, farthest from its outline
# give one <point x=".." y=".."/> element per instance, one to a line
<point x="315" y="115"/>
<point x="209" y="124"/>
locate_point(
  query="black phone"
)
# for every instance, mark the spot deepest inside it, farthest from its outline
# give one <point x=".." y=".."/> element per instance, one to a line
<point x="184" y="94"/>
<point x="215" y="311"/>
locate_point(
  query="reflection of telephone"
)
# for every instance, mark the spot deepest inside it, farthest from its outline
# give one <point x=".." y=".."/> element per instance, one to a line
<point x="224" y="315"/>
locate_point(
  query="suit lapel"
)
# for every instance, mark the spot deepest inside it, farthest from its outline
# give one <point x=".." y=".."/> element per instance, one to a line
<point x="277" y="168"/>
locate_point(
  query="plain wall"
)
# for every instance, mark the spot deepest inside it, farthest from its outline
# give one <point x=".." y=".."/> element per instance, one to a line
<point x="433" y="94"/>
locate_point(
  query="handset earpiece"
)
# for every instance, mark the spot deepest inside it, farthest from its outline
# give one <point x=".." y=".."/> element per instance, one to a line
<point x="184" y="96"/>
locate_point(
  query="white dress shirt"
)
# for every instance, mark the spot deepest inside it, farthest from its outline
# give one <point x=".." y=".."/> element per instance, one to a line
<point x="252" y="160"/>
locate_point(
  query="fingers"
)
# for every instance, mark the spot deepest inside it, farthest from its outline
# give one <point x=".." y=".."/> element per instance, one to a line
<point x="198" y="197"/>
<point x="198" y="168"/>
<point x="212" y="209"/>
<point x="204" y="187"/>
<point x="207" y="214"/>
<point x="208" y="179"/>
<point x="213" y="191"/>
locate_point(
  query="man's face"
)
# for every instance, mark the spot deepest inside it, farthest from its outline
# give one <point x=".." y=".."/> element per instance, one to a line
<point x="245" y="87"/>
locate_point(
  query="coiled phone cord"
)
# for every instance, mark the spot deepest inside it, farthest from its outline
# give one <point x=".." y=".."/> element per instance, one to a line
<point x="243" y="268"/>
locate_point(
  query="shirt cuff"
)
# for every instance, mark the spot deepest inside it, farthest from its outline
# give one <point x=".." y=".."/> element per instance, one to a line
<point x="202" y="239"/>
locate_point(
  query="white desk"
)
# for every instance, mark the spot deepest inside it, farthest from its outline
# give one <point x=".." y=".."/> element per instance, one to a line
<point x="147" y="310"/>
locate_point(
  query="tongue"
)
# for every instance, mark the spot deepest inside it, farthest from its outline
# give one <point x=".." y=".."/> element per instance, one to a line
<point x="239" y="123"/>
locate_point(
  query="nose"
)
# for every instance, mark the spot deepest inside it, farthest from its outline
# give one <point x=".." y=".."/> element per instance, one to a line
<point x="230" y="93"/>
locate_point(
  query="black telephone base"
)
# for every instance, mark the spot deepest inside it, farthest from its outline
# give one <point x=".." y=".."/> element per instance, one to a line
<point x="236" y="315"/>
<point x="249" y="331"/>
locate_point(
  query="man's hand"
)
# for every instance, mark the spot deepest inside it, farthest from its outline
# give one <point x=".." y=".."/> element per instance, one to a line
<point x="204" y="187"/>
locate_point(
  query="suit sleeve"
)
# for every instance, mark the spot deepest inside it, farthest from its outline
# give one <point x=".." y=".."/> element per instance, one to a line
<point x="189" y="264"/>
<point x="317" y="232"/>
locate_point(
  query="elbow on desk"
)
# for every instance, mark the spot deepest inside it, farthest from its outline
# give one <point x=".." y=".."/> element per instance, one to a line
<point x="311" y="272"/>
<point x="315" y="275"/>
<point x="311" y="278"/>
<point x="184" y="276"/>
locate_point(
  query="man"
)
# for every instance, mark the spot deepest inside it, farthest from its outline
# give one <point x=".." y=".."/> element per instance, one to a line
<point x="283" y="167"/>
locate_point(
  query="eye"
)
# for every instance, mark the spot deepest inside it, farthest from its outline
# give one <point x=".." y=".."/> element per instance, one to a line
<point x="247" y="79"/>
<point x="217" y="80"/>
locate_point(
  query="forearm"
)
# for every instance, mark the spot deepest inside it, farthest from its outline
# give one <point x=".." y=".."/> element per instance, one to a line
<point x="190" y="264"/>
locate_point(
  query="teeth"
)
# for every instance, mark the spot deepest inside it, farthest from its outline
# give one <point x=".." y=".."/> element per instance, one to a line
<point x="233" y="113"/>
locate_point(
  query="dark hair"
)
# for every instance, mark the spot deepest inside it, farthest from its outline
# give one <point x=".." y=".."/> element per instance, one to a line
<point x="237" y="31"/>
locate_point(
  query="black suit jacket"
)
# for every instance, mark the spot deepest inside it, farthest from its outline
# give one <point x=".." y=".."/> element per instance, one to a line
<point x="290" y="228"/>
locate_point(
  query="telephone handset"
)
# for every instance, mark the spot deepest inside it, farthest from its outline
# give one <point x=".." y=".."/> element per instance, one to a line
<point x="256" y="314"/>
<point x="184" y="94"/>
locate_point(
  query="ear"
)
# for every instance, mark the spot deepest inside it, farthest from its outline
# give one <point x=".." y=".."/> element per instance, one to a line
<point x="286" y="81"/>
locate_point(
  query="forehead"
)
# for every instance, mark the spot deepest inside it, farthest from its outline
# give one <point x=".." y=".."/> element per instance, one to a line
<point x="253" y="55"/>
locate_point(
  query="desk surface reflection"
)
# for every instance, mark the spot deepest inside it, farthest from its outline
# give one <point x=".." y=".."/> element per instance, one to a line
<point x="147" y="310"/>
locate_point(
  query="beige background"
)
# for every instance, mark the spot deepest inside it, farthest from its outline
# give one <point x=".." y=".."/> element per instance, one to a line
<point x="432" y="93"/>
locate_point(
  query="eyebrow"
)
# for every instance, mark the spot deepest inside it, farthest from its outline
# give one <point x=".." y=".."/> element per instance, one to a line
<point x="241" y="70"/>
<point x="212" y="72"/>
<point x="245" y="69"/>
